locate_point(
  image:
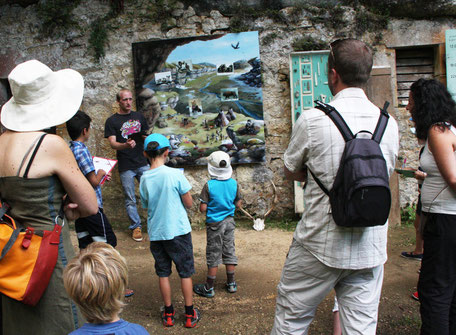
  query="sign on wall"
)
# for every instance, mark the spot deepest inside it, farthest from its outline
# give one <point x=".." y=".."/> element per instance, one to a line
<point x="205" y="94"/>
<point x="309" y="82"/>
<point x="450" y="50"/>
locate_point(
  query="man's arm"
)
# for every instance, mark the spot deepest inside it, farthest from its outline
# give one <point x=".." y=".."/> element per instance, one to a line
<point x="298" y="175"/>
<point x="130" y="144"/>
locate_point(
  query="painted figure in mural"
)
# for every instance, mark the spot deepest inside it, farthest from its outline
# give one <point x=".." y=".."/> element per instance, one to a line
<point x="324" y="256"/>
<point x="248" y="129"/>
<point x="174" y="142"/>
<point x="221" y="120"/>
<point x="125" y="132"/>
<point x="231" y="115"/>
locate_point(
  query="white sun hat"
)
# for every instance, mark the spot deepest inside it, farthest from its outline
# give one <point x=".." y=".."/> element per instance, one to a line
<point x="216" y="168"/>
<point x="41" y="98"/>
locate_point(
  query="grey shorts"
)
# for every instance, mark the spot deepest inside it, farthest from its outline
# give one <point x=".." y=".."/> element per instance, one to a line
<point x="220" y="243"/>
<point x="178" y="250"/>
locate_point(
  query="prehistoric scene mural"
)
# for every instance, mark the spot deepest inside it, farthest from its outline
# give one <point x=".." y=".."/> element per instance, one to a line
<point x="204" y="93"/>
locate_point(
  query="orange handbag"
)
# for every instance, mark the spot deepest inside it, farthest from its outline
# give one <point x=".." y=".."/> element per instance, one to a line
<point x="27" y="260"/>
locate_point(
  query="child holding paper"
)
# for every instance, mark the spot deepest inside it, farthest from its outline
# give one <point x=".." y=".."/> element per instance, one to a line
<point x="95" y="228"/>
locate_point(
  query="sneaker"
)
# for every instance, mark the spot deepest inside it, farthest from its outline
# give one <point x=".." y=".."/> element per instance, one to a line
<point x="168" y="319"/>
<point x="415" y="296"/>
<point x="231" y="287"/>
<point x="411" y="255"/>
<point x="201" y="290"/>
<point x="129" y="292"/>
<point x="136" y="234"/>
<point x="192" y="320"/>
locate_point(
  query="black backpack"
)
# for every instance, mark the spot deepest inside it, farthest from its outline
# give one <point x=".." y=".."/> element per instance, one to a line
<point x="360" y="195"/>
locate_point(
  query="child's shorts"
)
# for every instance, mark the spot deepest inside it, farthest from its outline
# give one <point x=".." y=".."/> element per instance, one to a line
<point x="94" y="228"/>
<point x="178" y="250"/>
<point x="220" y="243"/>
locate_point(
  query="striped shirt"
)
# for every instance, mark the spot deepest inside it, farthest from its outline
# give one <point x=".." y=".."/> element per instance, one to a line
<point x="85" y="163"/>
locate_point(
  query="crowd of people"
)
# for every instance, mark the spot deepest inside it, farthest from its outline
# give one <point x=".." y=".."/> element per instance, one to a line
<point x="40" y="172"/>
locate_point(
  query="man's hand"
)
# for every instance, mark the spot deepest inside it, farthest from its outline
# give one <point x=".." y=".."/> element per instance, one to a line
<point x="130" y="143"/>
<point x="108" y="176"/>
<point x="298" y="176"/>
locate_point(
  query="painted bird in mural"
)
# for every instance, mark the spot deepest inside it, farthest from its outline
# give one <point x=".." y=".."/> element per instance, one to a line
<point x="235" y="46"/>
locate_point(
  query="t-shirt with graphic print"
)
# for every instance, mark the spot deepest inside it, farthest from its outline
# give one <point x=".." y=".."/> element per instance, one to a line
<point x="121" y="126"/>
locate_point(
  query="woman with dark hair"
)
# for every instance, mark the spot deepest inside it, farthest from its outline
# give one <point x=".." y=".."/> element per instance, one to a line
<point x="434" y="113"/>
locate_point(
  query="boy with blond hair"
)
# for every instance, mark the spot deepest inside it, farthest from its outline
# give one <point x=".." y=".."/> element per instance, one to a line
<point x="96" y="281"/>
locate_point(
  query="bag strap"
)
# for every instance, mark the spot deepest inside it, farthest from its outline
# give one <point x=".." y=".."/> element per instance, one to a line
<point x="319" y="183"/>
<point x="336" y="118"/>
<point x="3" y="209"/>
<point x="10" y="242"/>
<point x="381" y="124"/>
<point x="33" y="156"/>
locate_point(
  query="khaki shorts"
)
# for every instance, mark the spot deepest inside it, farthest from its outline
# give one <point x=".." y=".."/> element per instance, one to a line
<point x="220" y="243"/>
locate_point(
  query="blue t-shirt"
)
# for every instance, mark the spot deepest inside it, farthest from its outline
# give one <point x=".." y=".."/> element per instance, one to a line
<point x="220" y="197"/>
<point x="85" y="164"/>
<point x="120" y="327"/>
<point x="161" y="189"/>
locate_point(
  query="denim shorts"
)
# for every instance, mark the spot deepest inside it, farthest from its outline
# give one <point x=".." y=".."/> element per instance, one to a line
<point x="220" y="243"/>
<point x="178" y="250"/>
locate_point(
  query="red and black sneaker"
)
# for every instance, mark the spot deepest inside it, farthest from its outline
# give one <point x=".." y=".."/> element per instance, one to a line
<point x="168" y="319"/>
<point x="192" y="320"/>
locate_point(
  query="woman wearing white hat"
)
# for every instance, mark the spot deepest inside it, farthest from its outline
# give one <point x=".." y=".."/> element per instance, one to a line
<point x="34" y="185"/>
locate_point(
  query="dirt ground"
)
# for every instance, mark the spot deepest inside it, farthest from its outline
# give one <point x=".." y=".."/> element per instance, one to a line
<point x="251" y="310"/>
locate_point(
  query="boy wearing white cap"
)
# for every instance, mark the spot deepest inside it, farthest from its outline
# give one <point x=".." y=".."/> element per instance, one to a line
<point x="219" y="198"/>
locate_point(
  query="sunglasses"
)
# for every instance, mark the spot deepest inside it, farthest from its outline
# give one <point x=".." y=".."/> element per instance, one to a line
<point x="331" y="51"/>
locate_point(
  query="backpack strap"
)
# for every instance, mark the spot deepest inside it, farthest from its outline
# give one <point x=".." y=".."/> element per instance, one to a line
<point x="381" y="124"/>
<point x="319" y="183"/>
<point x="336" y="118"/>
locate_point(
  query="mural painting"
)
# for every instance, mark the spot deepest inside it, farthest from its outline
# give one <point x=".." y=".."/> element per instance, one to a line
<point x="204" y="93"/>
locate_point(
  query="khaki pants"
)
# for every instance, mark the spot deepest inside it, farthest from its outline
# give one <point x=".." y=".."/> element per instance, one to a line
<point x="306" y="281"/>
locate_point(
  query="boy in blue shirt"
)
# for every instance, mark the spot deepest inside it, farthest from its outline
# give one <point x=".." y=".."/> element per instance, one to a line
<point x="219" y="198"/>
<point x="95" y="228"/>
<point x="164" y="192"/>
<point x="101" y="302"/>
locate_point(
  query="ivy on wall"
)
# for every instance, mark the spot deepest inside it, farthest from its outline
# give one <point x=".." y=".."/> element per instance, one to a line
<point x="57" y="18"/>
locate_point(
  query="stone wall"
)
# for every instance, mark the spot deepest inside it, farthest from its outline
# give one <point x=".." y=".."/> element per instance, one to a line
<point x="21" y="40"/>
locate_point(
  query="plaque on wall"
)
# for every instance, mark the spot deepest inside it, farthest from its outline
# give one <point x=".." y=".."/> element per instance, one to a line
<point x="308" y="82"/>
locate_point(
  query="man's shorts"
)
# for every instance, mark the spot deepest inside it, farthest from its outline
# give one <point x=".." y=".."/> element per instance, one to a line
<point x="94" y="228"/>
<point x="220" y="243"/>
<point x="178" y="250"/>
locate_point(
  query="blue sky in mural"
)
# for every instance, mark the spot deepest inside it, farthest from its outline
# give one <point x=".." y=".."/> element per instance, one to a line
<point x="219" y="50"/>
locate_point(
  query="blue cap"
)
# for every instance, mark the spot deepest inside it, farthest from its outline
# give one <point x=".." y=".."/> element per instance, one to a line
<point x="162" y="141"/>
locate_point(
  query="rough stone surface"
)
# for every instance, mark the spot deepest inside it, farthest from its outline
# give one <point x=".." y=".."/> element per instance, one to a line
<point x="21" y="40"/>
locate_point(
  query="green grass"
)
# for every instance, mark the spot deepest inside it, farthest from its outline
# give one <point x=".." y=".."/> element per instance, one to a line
<point x="408" y="215"/>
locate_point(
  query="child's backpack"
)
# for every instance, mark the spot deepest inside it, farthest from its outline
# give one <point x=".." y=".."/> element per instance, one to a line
<point x="360" y="195"/>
